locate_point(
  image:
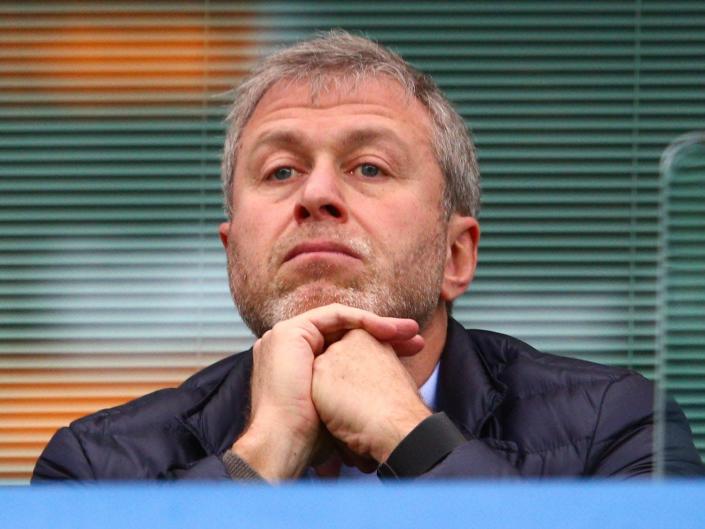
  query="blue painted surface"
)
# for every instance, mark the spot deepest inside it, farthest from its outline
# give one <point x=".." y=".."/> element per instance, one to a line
<point x="485" y="505"/>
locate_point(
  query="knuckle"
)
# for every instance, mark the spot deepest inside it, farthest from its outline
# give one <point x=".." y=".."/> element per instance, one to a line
<point x="341" y="310"/>
<point x="320" y="367"/>
<point x="319" y="362"/>
<point x="262" y="341"/>
<point x="357" y="334"/>
<point x="332" y="350"/>
<point x="279" y="328"/>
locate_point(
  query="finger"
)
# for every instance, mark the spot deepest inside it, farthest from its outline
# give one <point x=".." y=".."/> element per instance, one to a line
<point x="336" y="317"/>
<point x="405" y="327"/>
<point x="408" y="347"/>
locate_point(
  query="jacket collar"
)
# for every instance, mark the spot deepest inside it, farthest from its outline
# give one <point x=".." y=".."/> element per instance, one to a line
<point x="219" y="417"/>
<point x="467" y="390"/>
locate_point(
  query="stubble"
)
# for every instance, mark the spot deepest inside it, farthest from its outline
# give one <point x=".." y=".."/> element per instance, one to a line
<point x="407" y="287"/>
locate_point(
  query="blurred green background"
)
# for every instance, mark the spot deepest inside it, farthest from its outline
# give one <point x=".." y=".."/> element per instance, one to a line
<point x="112" y="279"/>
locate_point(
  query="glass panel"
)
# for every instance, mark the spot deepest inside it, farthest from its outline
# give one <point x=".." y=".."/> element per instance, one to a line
<point x="681" y="358"/>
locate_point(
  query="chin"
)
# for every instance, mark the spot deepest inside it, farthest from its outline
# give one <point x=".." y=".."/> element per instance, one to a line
<point x="321" y="293"/>
<point x="261" y="313"/>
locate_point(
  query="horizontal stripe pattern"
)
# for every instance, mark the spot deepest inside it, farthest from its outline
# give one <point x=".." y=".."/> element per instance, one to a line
<point x="112" y="279"/>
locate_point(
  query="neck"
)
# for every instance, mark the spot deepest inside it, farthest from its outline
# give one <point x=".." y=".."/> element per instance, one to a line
<point x="421" y="365"/>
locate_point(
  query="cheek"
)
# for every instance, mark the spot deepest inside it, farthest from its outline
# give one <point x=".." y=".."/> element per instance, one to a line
<point x="254" y="233"/>
<point x="407" y="215"/>
<point x="407" y="227"/>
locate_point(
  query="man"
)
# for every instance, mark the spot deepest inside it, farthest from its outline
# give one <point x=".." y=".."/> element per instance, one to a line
<point x="352" y="194"/>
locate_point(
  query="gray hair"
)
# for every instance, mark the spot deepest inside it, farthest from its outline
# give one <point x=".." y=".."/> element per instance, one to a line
<point x="322" y="61"/>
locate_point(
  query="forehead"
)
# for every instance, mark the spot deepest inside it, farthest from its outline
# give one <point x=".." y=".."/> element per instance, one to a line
<point x="374" y="100"/>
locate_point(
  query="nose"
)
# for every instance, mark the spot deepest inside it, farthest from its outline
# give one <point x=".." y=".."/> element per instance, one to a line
<point x="320" y="197"/>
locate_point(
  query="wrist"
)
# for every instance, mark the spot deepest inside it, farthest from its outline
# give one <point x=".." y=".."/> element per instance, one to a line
<point x="396" y="430"/>
<point x="425" y="447"/>
<point x="273" y="455"/>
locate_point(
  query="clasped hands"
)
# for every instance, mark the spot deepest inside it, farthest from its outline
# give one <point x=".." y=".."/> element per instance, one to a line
<point x="330" y="380"/>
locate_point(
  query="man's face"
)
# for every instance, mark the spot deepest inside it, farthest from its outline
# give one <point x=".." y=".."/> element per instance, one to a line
<point x="336" y="199"/>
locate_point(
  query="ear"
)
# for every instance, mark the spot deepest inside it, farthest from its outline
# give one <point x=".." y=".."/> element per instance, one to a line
<point x="224" y="232"/>
<point x="461" y="258"/>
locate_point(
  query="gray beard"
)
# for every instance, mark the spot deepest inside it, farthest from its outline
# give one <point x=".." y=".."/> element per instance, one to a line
<point x="411" y="289"/>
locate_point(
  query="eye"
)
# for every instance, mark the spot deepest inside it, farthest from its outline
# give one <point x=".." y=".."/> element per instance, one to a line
<point x="282" y="173"/>
<point x="369" y="170"/>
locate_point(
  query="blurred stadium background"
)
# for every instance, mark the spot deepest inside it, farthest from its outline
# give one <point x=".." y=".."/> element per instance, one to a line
<point x="112" y="279"/>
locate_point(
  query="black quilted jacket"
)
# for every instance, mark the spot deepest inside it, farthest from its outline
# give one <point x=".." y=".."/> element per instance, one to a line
<point x="524" y="413"/>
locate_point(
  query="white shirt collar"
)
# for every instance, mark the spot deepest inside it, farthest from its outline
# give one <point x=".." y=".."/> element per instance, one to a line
<point x="428" y="390"/>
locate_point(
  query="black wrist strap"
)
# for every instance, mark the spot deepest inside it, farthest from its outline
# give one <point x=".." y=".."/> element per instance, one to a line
<point x="426" y="445"/>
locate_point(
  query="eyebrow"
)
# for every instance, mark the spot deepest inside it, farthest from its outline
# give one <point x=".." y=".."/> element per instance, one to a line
<point x="352" y="139"/>
<point x="279" y="138"/>
<point x="359" y="137"/>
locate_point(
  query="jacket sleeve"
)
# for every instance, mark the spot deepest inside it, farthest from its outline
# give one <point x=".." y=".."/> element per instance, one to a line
<point x="64" y="458"/>
<point x="437" y="449"/>
<point x="626" y="426"/>
<point x="207" y="469"/>
<point x="621" y="445"/>
<point x="473" y="459"/>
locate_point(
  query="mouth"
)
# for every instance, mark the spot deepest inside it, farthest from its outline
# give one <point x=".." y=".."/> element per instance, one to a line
<point x="321" y="248"/>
